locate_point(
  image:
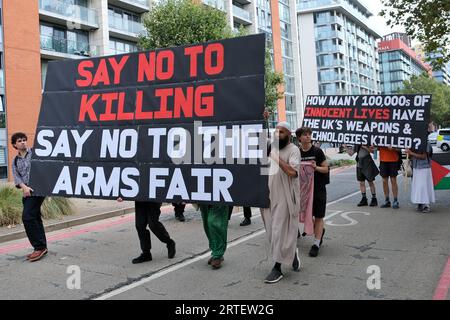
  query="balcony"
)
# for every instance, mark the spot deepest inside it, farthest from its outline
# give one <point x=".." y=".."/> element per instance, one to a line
<point x="218" y="4"/>
<point x="330" y="34"/>
<point x="59" y="12"/>
<point x="57" y="48"/>
<point x="138" y="6"/>
<point x="332" y="63"/>
<point x="242" y="16"/>
<point x="125" y="29"/>
<point x="331" y="49"/>
<point x="330" y="20"/>
<point x="332" y="77"/>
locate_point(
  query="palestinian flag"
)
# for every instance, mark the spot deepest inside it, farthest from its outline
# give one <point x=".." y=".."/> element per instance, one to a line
<point x="440" y="167"/>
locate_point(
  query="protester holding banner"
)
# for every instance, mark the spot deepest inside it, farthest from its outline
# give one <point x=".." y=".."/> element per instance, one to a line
<point x="318" y="160"/>
<point x="247" y="216"/>
<point x="215" y="224"/>
<point x="389" y="166"/>
<point x="147" y="214"/>
<point x="179" y="211"/>
<point x="366" y="170"/>
<point x="422" y="188"/>
<point x="31" y="215"/>
<point x="281" y="219"/>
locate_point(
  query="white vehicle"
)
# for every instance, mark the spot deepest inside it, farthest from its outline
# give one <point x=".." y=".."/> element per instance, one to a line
<point x="432" y="138"/>
<point x="443" y="139"/>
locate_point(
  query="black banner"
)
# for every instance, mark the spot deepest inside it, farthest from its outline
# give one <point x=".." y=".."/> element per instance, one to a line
<point x="175" y="124"/>
<point x="398" y="121"/>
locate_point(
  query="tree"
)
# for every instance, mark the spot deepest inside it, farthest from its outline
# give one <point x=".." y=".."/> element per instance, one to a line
<point x="428" y="21"/>
<point x="440" y="101"/>
<point x="180" y="22"/>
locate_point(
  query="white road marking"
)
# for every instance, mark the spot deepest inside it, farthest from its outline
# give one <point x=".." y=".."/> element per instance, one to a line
<point x="183" y="264"/>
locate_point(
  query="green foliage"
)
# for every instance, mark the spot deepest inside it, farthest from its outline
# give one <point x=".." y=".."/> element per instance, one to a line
<point x="440" y="101"/>
<point x="341" y="163"/>
<point x="56" y="207"/>
<point x="11" y="206"/>
<point x="427" y="21"/>
<point x="272" y="82"/>
<point x="181" y="22"/>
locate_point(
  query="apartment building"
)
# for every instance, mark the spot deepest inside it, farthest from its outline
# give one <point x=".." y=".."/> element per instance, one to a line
<point x="338" y="50"/>
<point x="398" y="62"/>
<point x="442" y="75"/>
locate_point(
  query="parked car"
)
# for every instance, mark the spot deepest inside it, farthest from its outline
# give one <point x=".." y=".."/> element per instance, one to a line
<point x="432" y="138"/>
<point x="443" y="139"/>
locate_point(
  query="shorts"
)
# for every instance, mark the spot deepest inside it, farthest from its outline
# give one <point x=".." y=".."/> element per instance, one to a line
<point x="389" y="169"/>
<point x="319" y="203"/>
<point x="360" y="176"/>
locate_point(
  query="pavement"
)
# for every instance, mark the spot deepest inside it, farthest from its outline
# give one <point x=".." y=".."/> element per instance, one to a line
<point x="368" y="253"/>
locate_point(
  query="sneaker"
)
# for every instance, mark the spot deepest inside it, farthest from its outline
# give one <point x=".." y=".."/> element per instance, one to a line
<point x="395" y="205"/>
<point x="180" y="217"/>
<point x="419" y="207"/>
<point x="321" y="238"/>
<point x="374" y="202"/>
<point x="296" y="263"/>
<point x="363" y="202"/>
<point x="314" y="252"/>
<point x="274" y="276"/>
<point x="245" y="222"/>
<point x="216" y="263"/>
<point x="426" y="209"/>
<point x="387" y="204"/>
<point x="171" y="249"/>
<point x="144" y="257"/>
<point x="37" y="255"/>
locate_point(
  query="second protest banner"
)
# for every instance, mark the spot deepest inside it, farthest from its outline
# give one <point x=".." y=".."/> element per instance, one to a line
<point x="398" y="121"/>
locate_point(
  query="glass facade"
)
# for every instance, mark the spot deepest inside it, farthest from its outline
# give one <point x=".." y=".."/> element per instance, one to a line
<point x="288" y="61"/>
<point x="396" y="67"/>
<point x="59" y="39"/>
<point x="118" y="46"/>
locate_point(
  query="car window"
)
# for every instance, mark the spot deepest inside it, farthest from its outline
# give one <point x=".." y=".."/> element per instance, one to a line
<point x="444" y="132"/>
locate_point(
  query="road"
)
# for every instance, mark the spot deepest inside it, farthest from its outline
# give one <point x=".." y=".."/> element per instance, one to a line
<point x="409" y="249"/>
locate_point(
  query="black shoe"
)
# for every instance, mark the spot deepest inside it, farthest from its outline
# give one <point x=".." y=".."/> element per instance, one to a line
<point x="274" y="276"/>
<point x="245" y="222"/>
<point x="363" y="202"/>
<point x="296" y="263"/>
<point x="387" y="204"/>
<point x="321" y="238"/>
<point x="180" y="217"/>
<point x="314" y="251"/>
<point x="298" y="234"/>
<point x="171" y="249"/>
<point x="374" y="202"/>
<point x="144" y="257"/>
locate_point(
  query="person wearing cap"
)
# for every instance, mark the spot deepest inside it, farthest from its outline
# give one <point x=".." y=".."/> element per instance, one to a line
<point x="281" y="219"/>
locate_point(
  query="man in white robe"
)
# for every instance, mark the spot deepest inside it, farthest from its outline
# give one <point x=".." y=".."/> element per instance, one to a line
<point x="281" y="219"/>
